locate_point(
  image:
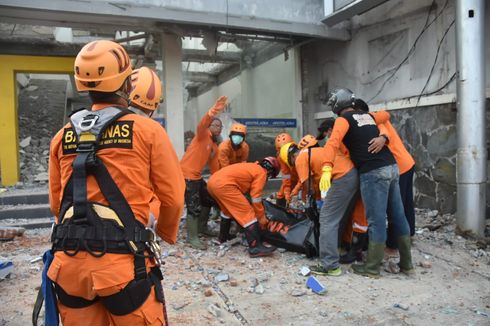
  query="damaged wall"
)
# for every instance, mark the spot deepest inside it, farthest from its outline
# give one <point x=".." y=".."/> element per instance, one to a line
<point x="41" y="111"/>
<point x="394" y="47"/>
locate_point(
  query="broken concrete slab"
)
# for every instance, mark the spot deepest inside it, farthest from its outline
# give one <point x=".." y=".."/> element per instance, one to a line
<point x="25" y="142"/>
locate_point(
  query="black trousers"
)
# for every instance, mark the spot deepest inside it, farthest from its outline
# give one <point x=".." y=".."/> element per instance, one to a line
<point x="196" y="196"/>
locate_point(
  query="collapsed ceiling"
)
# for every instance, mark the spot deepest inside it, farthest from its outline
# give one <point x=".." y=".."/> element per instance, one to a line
<point x="209" y="56"/>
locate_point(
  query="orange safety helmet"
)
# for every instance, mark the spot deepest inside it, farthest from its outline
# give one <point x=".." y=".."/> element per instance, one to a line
<point x="101" y="66"/>
<point x="146" y="89"/>
<point x="238" y="128"/>
<point x="307" y="141"/>
<point x="282" y="139"/>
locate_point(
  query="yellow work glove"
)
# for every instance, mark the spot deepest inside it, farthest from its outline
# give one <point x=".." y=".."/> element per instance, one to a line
<point x="218" y="106"/>
<point x="326" y="177"/>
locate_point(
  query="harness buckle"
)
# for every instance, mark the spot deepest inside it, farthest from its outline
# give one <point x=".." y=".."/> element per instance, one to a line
<point x="88" y="122"/>
<point x="154" y="247"/>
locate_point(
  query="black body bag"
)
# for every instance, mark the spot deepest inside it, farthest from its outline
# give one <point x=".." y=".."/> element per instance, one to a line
<point x="290" y="229"/>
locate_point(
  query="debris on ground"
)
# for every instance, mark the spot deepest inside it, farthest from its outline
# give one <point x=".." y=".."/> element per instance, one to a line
<point x="455" y="289"/>
<point x="401" y="306"/>
<point x="315" y="285"/>
<point x="8" y="233"/>
<point x="305" y="271"/>
<point x="6" y="267"/>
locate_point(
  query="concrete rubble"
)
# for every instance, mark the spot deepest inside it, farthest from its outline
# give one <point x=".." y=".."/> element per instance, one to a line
<point x="41" y="114"/>
<point x="451" y="286"/>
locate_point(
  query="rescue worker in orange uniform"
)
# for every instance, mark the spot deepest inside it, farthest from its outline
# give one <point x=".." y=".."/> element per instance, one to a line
<point x="145" y="98"/>
<point x="100" y="186"/>
<point x="406" y="165"/>
<point x="202" y="149"/>
<point x="289" y="176"/>
<point x="338" y="202"/>
<point x="355" y="230"/>
<point x="235" y="149"/>
<point x="308" y="141"/>
<point x="229" y="186"/>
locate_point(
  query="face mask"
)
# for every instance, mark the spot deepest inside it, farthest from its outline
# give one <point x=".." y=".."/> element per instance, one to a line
<point x="236" y="139"/>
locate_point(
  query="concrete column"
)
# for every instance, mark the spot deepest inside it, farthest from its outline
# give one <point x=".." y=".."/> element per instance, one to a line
<point x="298" y="105"/>
<point x="471" y="168"/>
<point x="248" y="94"/>
<point x="173" y="90"/>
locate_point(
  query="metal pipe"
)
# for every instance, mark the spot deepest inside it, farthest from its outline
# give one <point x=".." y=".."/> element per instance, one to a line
<point x="130" y="38"/>
<point x="471" y="164"/>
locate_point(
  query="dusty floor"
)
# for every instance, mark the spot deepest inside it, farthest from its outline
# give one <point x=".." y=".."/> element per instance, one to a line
<point x="451" y="288"/>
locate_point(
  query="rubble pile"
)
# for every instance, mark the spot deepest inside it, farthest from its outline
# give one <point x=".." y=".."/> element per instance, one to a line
<point x="440" y="229"/>
<point x="41" y="108"/>
<point x="223" y="286"/>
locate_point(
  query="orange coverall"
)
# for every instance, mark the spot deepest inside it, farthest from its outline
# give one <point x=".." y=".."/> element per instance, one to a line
<point x="289" y="180"/>
<point x="201" y="151"/>
<point x="213" y="162"/>
<point x="150" y="166"/>
<point x="403" y="158"/>
<point x="341" y="167"/>
<point x="227" y="155"/>
<point x="228" y="186"/>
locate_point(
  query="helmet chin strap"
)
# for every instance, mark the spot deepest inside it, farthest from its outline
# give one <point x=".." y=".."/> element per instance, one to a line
<point x="125" y="90"/>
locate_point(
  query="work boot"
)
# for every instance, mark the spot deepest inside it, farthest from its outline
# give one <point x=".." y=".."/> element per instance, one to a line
<point x="192" y="237"/>
<point x="373" y="261"/>
<point x="224" y="230"/>
<point x="355" y="251"/>
<point x="203" y="223"/>
<point x="404" y="245"/>
<point x="255" y="246"/>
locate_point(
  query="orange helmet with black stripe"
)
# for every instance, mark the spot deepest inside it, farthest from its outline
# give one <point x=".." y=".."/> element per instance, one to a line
<point x="283" y="139"/>
<point x="238" y="128"/>
<point x="102" y="66"/>
<point x="146" y="89"/>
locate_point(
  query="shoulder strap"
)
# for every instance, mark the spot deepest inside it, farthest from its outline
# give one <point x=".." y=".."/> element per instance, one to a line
<point x="89" y="127"/>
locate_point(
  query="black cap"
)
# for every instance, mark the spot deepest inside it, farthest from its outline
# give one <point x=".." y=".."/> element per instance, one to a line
<point x="324" y="127"/>
<point x="361" y="105"/>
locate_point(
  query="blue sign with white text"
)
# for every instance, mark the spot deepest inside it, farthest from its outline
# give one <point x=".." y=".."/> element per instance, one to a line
<point x="270" y="123"/>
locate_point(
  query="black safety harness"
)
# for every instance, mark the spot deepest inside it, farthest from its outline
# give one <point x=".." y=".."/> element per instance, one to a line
<point x="99" y="229"/>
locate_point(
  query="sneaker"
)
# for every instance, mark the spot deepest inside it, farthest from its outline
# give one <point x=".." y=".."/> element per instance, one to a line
<point x="321" y="270"/>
